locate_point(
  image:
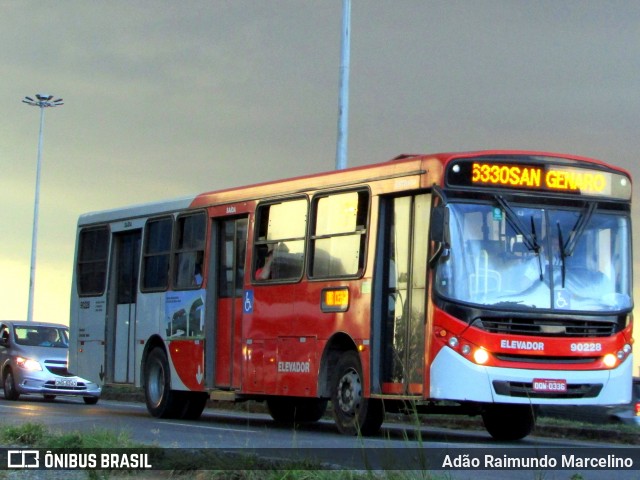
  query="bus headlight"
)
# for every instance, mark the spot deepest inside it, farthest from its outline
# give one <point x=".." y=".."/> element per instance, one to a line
<point x="610" y="360"/>
<point x="480" y="356"/>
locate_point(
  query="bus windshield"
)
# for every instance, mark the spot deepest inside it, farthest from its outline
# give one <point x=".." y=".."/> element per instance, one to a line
<point x="510" y="256"/>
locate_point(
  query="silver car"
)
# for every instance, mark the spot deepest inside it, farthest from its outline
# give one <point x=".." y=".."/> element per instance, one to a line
<point x="33" y="359"/>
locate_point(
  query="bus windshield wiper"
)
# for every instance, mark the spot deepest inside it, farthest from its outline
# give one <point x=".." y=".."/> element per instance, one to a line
<point x="563" y="253"/>
<point x="578" y="229"/>
<point x="567" y="249"/>
<point x="528" y="238"/>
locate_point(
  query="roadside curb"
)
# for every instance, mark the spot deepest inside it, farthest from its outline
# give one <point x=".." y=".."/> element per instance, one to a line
<point x="582" y="432"/>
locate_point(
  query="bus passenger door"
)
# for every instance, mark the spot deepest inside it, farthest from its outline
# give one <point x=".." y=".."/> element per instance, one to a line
<point x="121" y="320"/>
<point x="401" y="295"/>
<point x="226" y="281"/>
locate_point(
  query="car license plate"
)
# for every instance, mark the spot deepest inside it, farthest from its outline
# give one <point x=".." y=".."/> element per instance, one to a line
<point x="549" y="385"/>
<point x="66" y="382"/>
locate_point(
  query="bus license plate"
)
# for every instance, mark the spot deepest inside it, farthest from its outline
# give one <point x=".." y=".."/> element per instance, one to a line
<point x="66" y="382"/>
<point x="549" y="385"/>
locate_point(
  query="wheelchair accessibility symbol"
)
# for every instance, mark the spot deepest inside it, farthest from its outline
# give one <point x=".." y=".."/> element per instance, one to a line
<point x="563" y="299"/>
<point x="248" y="301"/>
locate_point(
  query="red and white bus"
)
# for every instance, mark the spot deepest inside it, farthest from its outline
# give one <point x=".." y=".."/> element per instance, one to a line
<point x="486" y="283"/>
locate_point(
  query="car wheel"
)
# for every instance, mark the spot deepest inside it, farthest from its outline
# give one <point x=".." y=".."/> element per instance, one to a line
<point x="10" y="391"/>
<point x="49" y="398"/>
<point x="90" y="400"/>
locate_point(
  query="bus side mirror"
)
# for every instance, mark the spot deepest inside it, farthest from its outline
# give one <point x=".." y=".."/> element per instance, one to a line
<point x="439" y="230"/>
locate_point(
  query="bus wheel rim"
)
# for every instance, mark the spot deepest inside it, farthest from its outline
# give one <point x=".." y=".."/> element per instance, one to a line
<point x="349" y="392"/>
<point x="156" y="384"/>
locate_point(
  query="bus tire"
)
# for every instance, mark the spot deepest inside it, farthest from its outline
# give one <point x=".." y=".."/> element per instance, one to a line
<point x="9" y="385"/>
<point x="291" y="410"/>
<point x="162" y="402"/>
<point x="195" y="403"/>
<point x="509" y="422"/>
<point x="352" y="412"/>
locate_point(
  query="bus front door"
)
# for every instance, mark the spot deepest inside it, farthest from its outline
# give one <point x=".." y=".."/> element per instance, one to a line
<point x="121" y="321"/>
<point x="401" y="294"/>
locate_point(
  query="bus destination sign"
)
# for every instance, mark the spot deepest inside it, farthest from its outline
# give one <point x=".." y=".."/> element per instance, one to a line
<point x="546" y="177"/>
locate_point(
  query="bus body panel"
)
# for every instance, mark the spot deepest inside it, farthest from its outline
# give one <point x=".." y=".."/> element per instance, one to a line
<point x="292" y="319"/>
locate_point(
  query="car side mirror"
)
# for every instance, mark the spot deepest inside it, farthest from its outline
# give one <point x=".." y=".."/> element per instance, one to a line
<point x="4" y="342"/>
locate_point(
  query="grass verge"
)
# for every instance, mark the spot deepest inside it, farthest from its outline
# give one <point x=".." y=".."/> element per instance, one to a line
<point x="180" y="466"/>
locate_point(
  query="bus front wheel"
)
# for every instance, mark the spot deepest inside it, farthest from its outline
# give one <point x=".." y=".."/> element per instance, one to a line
<point x="352" y="412"/>
<point x="162" y="402"/>
<point x="509" y="422"/>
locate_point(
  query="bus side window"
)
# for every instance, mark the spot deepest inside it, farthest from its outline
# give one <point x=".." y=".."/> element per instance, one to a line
<point x="157" y="254"/>
<point x="91" y="268"/>
<point x="338" y="234"/>
<point x="279" y="245"/>
<point x="189" y="251"/>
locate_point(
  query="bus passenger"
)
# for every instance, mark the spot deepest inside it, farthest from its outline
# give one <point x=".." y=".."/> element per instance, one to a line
<point x="264" y="272"/>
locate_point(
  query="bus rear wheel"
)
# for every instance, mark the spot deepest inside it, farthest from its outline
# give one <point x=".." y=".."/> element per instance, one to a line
<point x="352" y="412"/>
<point x="509" y="422"/>
<point x="195" y="403"/>
<point x="162" y="402"/>
<point x="292" y="410"/>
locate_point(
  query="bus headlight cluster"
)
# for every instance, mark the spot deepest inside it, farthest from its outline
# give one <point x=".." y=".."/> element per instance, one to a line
<point x="610" y="360"/>
<point x="476" y="354"/>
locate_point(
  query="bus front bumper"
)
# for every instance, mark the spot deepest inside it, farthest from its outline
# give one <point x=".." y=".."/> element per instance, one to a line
<point x="454" y="377"/>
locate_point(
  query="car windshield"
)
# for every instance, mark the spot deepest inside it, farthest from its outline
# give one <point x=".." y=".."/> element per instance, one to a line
<point x="42" y="336"/>
<point x="511" y="256"/>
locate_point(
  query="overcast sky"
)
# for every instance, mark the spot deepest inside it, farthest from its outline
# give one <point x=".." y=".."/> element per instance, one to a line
<point x="166" y="98"/>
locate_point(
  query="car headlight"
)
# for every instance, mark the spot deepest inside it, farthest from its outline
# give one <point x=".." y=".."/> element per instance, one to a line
<point x="28" y="364"/>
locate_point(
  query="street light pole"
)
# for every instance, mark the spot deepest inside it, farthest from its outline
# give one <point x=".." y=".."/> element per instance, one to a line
<point x="42" y="101"/>
<point x="343" y="99"/>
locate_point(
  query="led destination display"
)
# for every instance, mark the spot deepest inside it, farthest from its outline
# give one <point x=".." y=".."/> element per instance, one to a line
<point x="546" y="177"/>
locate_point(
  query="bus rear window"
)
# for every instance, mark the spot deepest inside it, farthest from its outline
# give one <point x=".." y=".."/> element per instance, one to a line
<point x="93" y="248"/>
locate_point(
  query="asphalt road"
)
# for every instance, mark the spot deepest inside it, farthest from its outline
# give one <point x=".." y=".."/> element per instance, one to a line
<point x="397" y="447"/>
